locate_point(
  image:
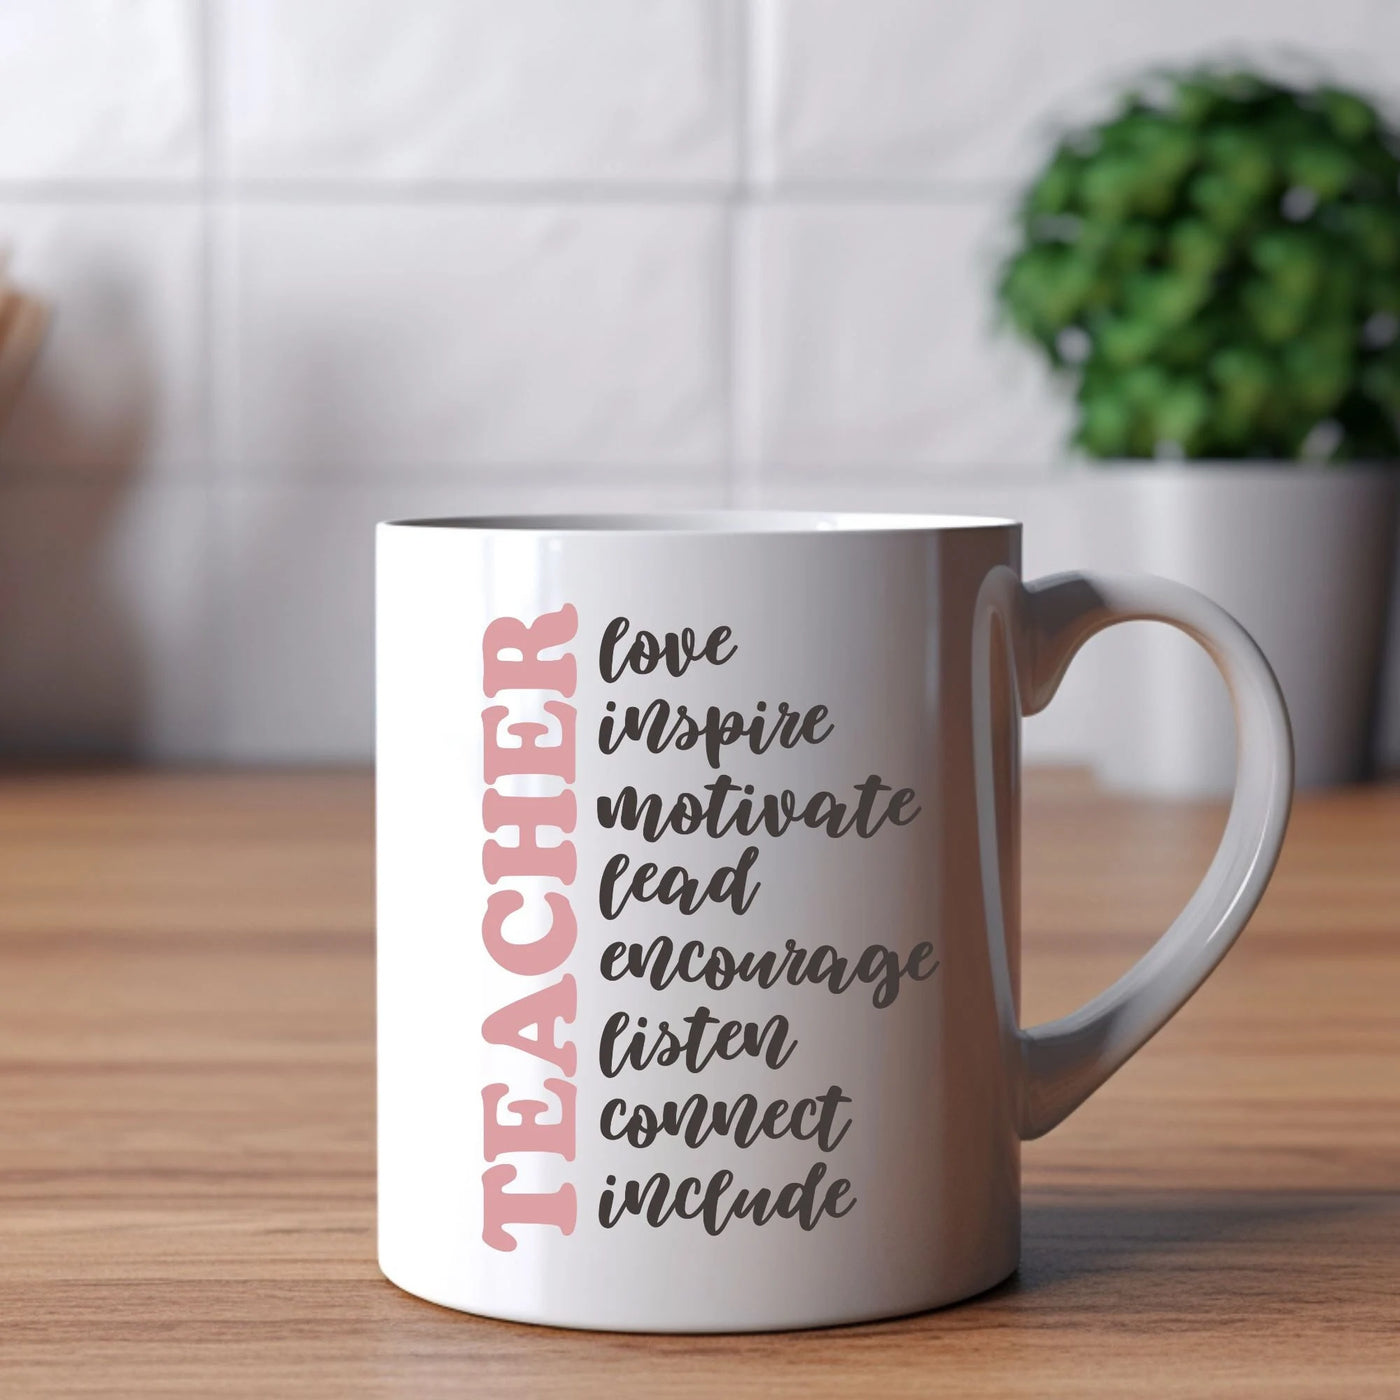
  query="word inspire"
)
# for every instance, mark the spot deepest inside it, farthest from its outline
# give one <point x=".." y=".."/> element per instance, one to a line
<point x="633" y="1043"/>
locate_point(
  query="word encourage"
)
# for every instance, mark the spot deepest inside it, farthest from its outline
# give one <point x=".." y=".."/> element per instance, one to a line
<point x="633" y="1040"/>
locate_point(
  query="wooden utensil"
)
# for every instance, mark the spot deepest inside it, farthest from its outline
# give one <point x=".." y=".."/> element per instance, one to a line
<point x="23" y="321"/>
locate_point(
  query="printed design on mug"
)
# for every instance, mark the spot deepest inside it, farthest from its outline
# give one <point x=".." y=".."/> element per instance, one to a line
<point x="632" y="1043"/>
<point x="512" y="661"/>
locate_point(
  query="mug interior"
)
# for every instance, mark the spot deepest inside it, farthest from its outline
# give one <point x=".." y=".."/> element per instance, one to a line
<point x="746" y="522"/>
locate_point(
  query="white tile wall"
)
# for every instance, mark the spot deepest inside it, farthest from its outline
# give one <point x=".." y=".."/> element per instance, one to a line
<point x="100" y="89"/>
<point x="408" y="338"/>
<point x="316" y="262"/>
<point x="902" y="91"/>
<point x="870" y="340"/>
<point x="509" y="90"/>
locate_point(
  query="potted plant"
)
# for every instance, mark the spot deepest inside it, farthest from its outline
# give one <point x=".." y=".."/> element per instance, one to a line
<point x="1215" y="272"/>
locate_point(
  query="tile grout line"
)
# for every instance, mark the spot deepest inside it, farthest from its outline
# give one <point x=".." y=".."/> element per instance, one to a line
<point x="408" y="473"/>
<point x="741" y="310"/>
<point x="216" y="577"/>
<point x="738" y="24"/>
<point x="313" y="191"/>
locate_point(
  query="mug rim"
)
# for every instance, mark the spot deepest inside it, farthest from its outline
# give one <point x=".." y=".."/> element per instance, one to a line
<point x="702" y="523"/>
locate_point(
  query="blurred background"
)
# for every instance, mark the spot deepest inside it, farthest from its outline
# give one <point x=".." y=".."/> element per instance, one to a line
<point x="317" y="263"/>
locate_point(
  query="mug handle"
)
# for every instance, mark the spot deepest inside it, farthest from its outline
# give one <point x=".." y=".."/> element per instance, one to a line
<point x="1054" y="1067"/>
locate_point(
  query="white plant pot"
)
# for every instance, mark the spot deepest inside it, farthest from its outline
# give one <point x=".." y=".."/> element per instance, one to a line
<point x="1302" y="556"/>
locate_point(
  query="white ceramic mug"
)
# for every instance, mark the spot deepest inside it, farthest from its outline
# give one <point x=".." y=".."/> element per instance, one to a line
<point x="698" y="909"/>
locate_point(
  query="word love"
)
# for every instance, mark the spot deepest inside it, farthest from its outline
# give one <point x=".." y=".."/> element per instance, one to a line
<point x="512" y="662"/>
<point x="645" y="652"/>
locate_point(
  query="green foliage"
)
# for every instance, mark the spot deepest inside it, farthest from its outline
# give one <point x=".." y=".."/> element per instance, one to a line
<point x="1218" y="273"/>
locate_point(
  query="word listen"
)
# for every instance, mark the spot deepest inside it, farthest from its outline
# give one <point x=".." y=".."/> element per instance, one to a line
<point x="512" y="662"/>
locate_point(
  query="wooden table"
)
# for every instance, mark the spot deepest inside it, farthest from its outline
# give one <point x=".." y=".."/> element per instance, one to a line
<point x="186" y="1162"/>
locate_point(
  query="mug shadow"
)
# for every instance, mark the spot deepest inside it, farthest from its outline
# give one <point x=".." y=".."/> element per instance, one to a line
<point x="1127" y="1243"/>
<point x="1118" y="1257"/>
<point x="1095" y="1265"/>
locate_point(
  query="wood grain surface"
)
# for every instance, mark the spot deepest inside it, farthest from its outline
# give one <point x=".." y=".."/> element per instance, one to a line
<point x="186" y="1113"/>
